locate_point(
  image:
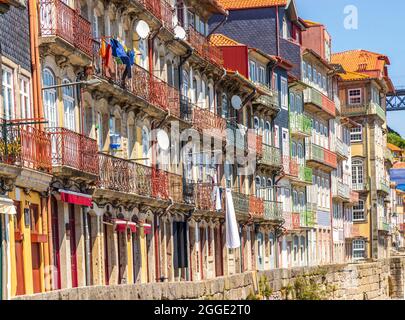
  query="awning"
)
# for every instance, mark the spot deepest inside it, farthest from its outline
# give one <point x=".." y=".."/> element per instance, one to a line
<point x="7" y="206"/>
<point x="122" y="225"/>
<point x="147" y="228"/>
<point x="80" y="199"/>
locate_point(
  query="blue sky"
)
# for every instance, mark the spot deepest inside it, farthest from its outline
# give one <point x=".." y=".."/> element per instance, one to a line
<point x="380" y="29"/>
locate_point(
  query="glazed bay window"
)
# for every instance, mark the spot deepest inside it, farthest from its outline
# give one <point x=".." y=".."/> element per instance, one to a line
<point x="284" y="93"/>
<point x="375" y="96"/>
<point x="359" y="249"/>
<point x="356" y="134"/>
<point x="359" y="212"/>
<point x="252" y="71"/>
<point x="358" y="174"/>
<point x="354" y="96"/>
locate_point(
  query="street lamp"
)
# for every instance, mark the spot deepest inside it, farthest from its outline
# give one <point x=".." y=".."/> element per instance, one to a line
<point x="92" y="82"/>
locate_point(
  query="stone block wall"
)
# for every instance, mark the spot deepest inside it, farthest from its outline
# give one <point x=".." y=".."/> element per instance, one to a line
<point x="383" y="279"/>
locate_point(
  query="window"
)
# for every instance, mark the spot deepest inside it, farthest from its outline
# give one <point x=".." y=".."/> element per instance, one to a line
<point x="285" y="29"/>
<point x="375" y="96"/>
<point x="359" y="249"/>
<point x="309" y="72"/>
<point x="68" y="106"/>
<point x="296" y="243"/>
<point x="50" y="109"/>
<point x="357" y="174"/>
<point x="252" y="71"/>
<point x="304" y="70"/>
<point x="284" y="93"/>
<point x="262" y="75"/>
<point x="25" y="98"/>
<point x="354" y="96"/>
<point x="358" y="212"/>
<point x="356" y="134"/>
<point x="8" y="93"/>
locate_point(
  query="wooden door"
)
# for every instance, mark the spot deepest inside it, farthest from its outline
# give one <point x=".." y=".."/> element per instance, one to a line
<point x="19" y="256"/>
<point x="219" y="267"/>
<point x="35" y="249"/>
<point x="73" y="247"/>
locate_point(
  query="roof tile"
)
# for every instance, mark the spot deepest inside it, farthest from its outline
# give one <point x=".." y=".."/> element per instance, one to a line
<point x="249" y="4"/>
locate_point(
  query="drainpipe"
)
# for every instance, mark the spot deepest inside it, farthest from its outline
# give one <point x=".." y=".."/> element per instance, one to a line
<point x="157" y="252"/>
<point x="36" y="77"/>
<point x="222" y="22"/>
<point x="277" y="32"/>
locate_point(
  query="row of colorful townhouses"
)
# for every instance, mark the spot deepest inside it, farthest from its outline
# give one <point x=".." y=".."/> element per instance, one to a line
<point x="98" y="102"/>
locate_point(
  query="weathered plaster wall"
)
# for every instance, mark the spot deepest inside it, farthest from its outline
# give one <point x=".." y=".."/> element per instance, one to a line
<point x="383" y="279"/>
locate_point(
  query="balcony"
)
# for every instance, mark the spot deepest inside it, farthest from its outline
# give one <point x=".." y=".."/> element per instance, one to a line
<point x="161" y="9"/>
<point x="361" y="187"/>
<point x="320" y="157"/>
<point x="364" y="109"/>
<point x="384" y="225"/>
<point x="295" y="221"/>
<point x="273" y="211"/>
<point x="115" y="174"/>
<point x="241" y="203"/>
<point x="308" y="219"/>
<point x="291" y="166"/>
<point x="64" y="29"/>
<point x="340" y="191"/>
<point x="25" y="146"/>
<point x="300" y="125"/>
<point x="384" y="186"/>
<point x="205" y="120"/>
<point x="203" y="197"/>
<point x="145" y="87"/>
<point x="342" y="149"/>
<point x="271" y="157"/>
<point x="256" y="207"/>
<point x="319" y="104"/>
<point x="268" y="101"/>
<point x="255" y="143"/>
<point x="203" y="47"/>
<point x="73" y="153"/>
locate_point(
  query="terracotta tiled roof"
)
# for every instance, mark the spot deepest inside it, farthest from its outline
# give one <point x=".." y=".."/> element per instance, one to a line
<point x="249" y="4"/>
<point x="393" y="147"/>
<point x="219" y="40"/>
<point x="310" y="23"/>
<point x="351" y="76"/>
<point x="399" y="165"/>
<point x="361" y="60"/>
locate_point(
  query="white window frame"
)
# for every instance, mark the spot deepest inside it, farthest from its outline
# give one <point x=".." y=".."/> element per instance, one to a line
<point x="356" y="134"/>
<point x="359" y="211"/>
<point x="8" y="86"/>
<point x="357" y="96"/>
<point x="69" y="107"/>
<point x="25" y="97"/>
<point x="284" y="93"/>
<point x="252" y="71"/>
<point x="357" y="171"/>
<point x="359" y="246"/>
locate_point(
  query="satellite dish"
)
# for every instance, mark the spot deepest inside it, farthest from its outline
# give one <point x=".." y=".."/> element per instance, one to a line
<point x="163" y="140"/>
<point x="179" y="33"/>
<point x="236" y="102"/>
<point x="142" y="29"/>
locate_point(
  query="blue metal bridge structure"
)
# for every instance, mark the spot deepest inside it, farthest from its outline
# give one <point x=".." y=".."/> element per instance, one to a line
<point x="396" y="100"/>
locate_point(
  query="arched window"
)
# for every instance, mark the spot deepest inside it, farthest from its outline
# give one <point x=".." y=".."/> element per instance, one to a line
<point x="293" y="149"/>
<point x="143" y="50"/>
<point x="270" y="190"/>
<point x="145" y="144"/>
<point x="194" y="97"/>
<point x="185" y="83"/>
<point x="303" y="245"/>
<point x="50" y="109"/>
<point x="357" y="174"/>
<point x="203" y="94"/>
<point x="300" y="152"/>
<point x="256" y="124"/>
<point x="68" y="106"/>
<point x="211" y="99"/>
<point x="296" y="244"/>
<point x="267" y="133"/>
<point x="258" y="187"/>
<point x="131" y="138"/>
<point x="225" y="106"/>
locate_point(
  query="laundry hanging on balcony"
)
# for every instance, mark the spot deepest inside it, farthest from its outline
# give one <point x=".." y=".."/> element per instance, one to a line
<point x="216" y="194"/>
<point x="123" y="56"/>
<point x="232" y="231"/>
<point x="107" y="57"/>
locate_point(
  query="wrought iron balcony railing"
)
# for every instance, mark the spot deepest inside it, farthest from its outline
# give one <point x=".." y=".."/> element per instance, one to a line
<point x="361" y="186"/>
<point x="322" y="156"/>
<point x="320" y="101"/>
<point x="342" y="149"/>
<point x="235" y="136"/>
<point x="256" y="207"/>
<point x="60" y="20"/>
<point x="241" y="203"/>
<point x="269" y="100"/>
<point x="271" y="156"/>
<point x="142" y="84"/>
<point x="255" y="143"/>
<point x="25" y="146"/>
<point x="161" y="9"/>
<point x="305" y="174"/>
<point x="384" y="225"/>
<point x="204" y="119"/>
<point x="364" y="109"/>
<point x="74" y="150"/>
<point x="384" y="187"/>
<point x="291" y="166"/>
<point x="273" y="211"/>
<point x="300" y="124"/>
<point x="340" y="190"/>
<point x="203" y="47"/>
